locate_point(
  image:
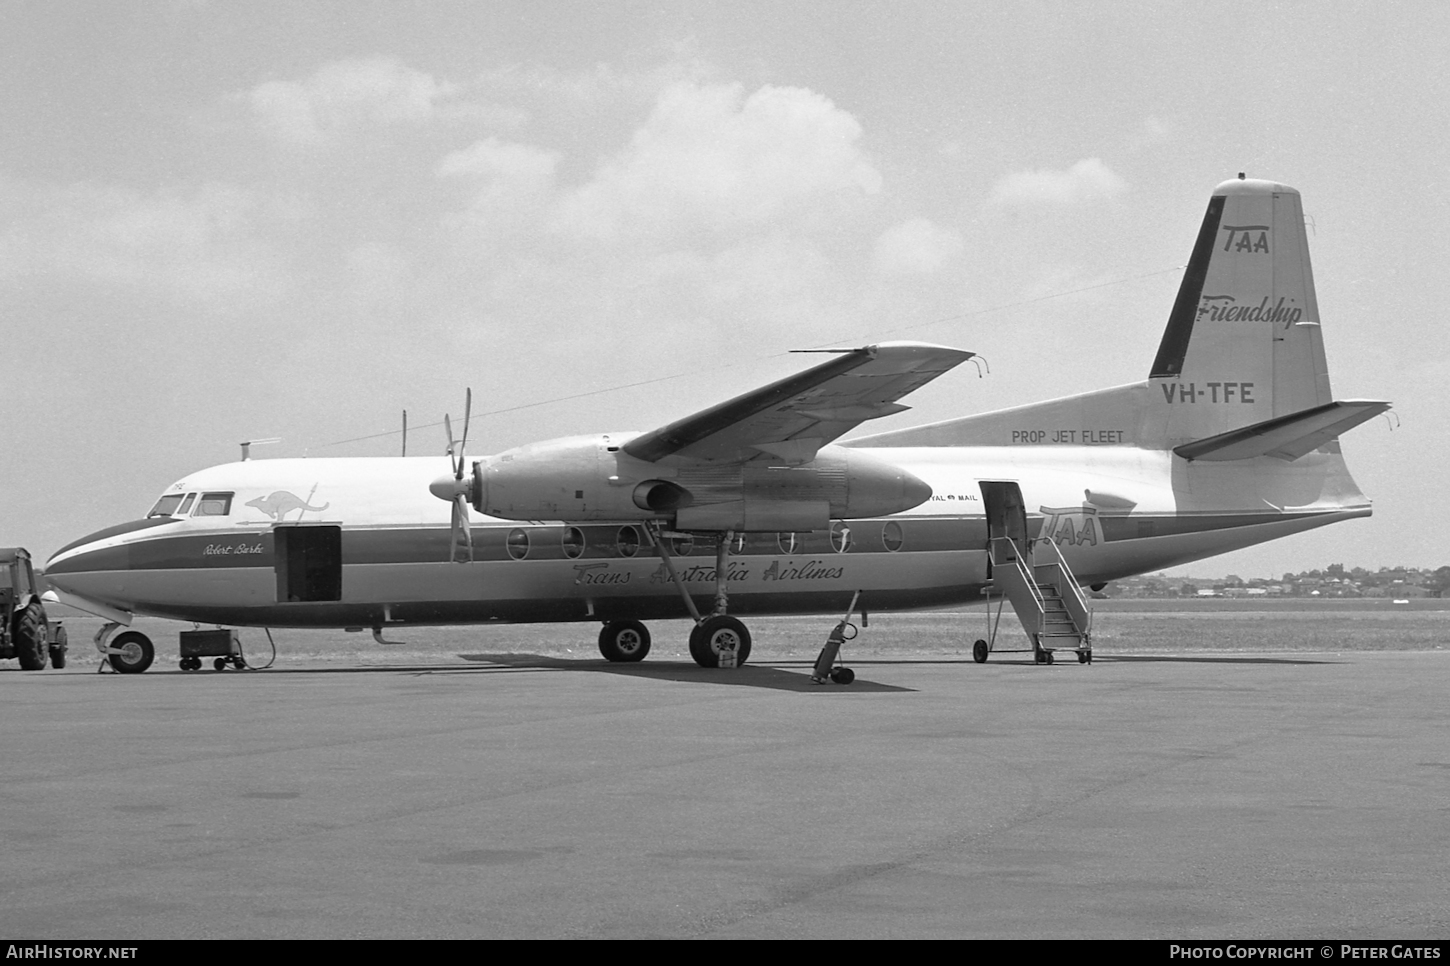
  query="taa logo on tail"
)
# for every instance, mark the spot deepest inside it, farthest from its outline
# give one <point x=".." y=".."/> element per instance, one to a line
<point x="1253" y="239"/>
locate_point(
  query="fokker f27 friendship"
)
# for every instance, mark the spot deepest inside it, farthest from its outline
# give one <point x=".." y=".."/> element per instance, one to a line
<point x="753" y="507"/>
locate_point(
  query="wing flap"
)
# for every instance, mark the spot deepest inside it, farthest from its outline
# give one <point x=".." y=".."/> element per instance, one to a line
<point x="1284" y="437"/>
<point x="794" y="417"/>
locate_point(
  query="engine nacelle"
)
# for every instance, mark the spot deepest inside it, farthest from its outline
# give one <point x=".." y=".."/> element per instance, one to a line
<point x="590" y="478"/>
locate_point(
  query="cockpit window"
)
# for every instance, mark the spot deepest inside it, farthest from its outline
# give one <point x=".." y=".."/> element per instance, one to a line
<point x="185" y="504"/>
<point x="213" y="505"/>
<point x="166" y="506"/>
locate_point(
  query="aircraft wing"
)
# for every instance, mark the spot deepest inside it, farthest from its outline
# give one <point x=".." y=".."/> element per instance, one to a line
<point x="789" y="420"/>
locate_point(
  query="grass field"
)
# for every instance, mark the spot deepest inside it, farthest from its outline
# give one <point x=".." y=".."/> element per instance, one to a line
<point x="1129" y="627"/>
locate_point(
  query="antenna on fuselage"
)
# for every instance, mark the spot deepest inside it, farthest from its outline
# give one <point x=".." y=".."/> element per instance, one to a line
<point x="405" y="432"/>
<point x="247" y="446"/>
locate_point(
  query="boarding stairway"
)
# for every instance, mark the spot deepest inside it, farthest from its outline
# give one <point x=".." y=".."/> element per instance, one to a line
<point x="1045" y="597"/>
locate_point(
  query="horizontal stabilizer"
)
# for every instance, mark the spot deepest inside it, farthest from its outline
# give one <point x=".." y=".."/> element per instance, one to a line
<point x="1284" y="437"/>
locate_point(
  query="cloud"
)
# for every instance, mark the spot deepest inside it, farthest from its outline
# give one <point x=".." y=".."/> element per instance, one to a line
<point x="915" y="247"/>
<point x="502" y="171"/>
<point x="347" y="94"/>
<point x="1087" y="181"/>
<point x="710" y="158"/>
<point x="193" y="246"/>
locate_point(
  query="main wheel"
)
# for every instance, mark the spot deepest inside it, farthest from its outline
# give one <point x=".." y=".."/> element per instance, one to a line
<point x="714" y="634"/>
<point x="843" y="675"/>
<point x="624" y="641"/>
<point x="58" y="648"/>
<point x="980" y="652"/>
<point x="30" y="638"/>
<point x="1083" y="657"/>
<point x="136" y="652"/>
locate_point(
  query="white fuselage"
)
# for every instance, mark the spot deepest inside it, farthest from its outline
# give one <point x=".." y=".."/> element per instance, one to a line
<point x="1112" y="510"/>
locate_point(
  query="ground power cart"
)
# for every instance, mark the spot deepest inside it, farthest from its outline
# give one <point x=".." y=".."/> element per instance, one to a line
<point x="224" y="645"/>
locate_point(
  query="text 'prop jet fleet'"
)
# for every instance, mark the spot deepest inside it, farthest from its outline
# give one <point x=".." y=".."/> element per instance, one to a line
<point x="753" y="507"/>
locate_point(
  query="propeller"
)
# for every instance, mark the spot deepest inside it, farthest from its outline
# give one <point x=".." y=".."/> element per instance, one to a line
<point x="455" y="490"/>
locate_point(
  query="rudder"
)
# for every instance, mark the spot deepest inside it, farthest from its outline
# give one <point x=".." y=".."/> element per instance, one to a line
<point x="1243" y="342"/>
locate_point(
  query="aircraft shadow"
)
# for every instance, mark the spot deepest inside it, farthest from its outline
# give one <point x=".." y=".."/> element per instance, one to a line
<point x="749" y="676"/>
<point x="753" y="676"/>
<point x="1209" y="659"/>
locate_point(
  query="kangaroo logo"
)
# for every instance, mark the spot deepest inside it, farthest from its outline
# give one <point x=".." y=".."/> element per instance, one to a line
<point x="281" y="503"/>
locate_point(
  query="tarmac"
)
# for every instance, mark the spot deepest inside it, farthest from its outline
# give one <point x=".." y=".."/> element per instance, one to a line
<point x="508" y="796"/>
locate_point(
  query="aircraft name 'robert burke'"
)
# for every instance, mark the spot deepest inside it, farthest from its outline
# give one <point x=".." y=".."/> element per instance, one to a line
<point x="219" y="549"/>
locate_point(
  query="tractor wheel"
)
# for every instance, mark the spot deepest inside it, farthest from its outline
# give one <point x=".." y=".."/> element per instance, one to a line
<point x="30" y="638"/>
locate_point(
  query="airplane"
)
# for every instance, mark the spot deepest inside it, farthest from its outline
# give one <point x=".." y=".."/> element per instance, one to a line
<point x="756" y="506"/>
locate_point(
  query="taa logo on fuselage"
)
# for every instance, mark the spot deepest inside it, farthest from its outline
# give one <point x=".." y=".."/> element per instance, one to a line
<point x="1253" y="239"/>
<point x="1069" y="526"/>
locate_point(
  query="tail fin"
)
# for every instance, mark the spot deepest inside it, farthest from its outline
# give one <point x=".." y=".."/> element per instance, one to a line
<point x="1243" y="342"/>
<point x="1239" y="373"/>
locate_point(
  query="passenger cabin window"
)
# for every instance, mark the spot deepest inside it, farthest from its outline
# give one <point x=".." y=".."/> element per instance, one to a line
<point x="213" y="505"/>
<point x="166" y="506"/>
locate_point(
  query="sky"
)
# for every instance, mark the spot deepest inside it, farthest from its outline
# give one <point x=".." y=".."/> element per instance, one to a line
<point x="223" y="221"/>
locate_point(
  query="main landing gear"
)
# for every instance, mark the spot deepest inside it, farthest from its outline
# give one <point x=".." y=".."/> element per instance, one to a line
<point x="717" y="640"/>
<point x="624" y="641"/>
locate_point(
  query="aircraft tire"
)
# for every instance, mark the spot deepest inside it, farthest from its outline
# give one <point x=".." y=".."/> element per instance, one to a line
<point x="58" y="648"/>
<point x="843" y="675"/>
<point x="980" y="652"/>
<point x="136" y="655"/>
<point x="624" y="641"/>
<point x="713" y="633"/>
<point x="30" y="638"/>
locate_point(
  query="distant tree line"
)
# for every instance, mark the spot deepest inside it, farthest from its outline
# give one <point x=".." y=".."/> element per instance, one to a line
<point x="1332" y="581"/>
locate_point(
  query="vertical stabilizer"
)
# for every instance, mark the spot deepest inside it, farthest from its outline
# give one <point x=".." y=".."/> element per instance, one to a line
<point x="1243" y="341"/>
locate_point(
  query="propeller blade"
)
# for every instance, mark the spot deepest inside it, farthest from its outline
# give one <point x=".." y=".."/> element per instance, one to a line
<point x="454" y="490"/>
<point x="460" y="525"/>
<point x="463" y="443"/>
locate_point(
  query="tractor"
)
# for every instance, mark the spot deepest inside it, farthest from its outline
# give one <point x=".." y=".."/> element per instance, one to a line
<point x="25" y="633"/>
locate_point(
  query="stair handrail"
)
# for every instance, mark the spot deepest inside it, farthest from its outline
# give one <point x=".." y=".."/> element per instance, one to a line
<point x="1071" y="593"/>
<point x="1017" y="563"/>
